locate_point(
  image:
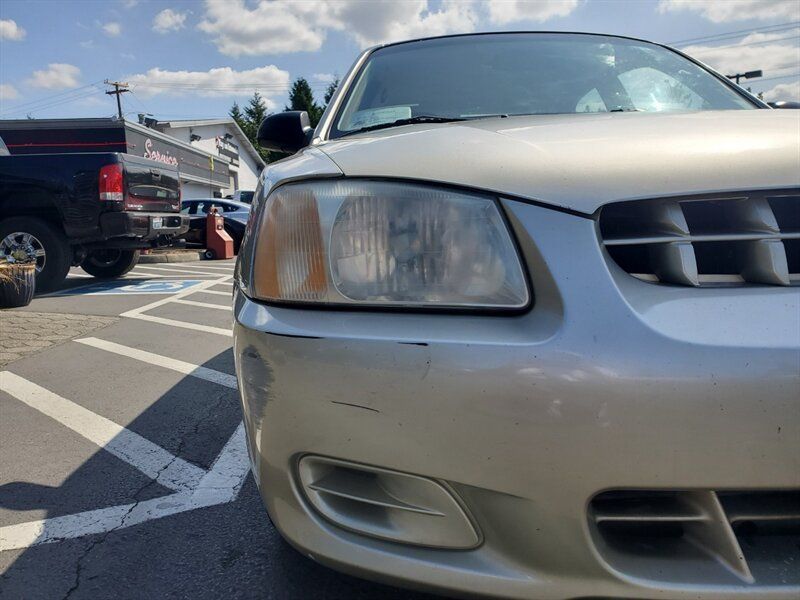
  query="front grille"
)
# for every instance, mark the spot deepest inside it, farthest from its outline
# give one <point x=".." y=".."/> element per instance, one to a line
<point x="700" y="536"/>
<point x="727" y="239"/>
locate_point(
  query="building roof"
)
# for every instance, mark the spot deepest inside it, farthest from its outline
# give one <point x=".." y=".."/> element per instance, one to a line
<point x="243" y="139"/>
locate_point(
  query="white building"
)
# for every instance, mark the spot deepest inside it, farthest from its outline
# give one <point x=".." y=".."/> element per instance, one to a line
<point x="222" y="138"/>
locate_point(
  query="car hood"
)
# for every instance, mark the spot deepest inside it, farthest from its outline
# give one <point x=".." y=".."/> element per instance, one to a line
<point x="583" y="161"/>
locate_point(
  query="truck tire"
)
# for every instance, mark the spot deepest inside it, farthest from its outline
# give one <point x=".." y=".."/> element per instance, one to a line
<point x="111" y="263"/>
<point x="42" y="241"/>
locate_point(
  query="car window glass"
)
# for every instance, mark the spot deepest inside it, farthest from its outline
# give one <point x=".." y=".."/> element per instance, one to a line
<point x="591" y="102"/>
<point x="186" y="208"/>
<point x="653" y="90"/>
<point x="526" y="74"/>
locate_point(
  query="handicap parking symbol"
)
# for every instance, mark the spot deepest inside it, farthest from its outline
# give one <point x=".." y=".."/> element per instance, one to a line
<point x="122" y="287"/>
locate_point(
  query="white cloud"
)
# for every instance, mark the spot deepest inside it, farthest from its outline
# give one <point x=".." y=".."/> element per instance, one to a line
<point x="383" y="21"/>
<point x="9" y="30"/>
<point x="86" y="44"/>
<point x="269" y="81"/>
<point x="323" y="77"/>
<point x="723" y="11"/>
<point x="169" y="20"/>
<point x="57" y="76"/>
<point x="128" y="4"/>
<point x="784" y="91"/>
<point x="773" y="53"/>
<point x="268" y="28"/>
<point x="8" y="92"/>
<point x="283" y="26"/>
<point x="502" y="12"/>
<point x="112" y="28"/>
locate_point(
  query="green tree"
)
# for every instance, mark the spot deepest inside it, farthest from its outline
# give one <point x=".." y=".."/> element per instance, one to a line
<point x="302" y="98"/>
<point x="330" y="91"/>
<point x="249" y="120"/>
<point x="236" y="114"/>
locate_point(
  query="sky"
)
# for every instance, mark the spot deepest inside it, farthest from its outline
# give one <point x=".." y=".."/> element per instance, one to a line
<point x="193" y="59"/>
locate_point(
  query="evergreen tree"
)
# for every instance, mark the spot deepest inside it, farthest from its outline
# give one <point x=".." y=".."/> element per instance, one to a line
<point x="330" y="91"/>
<point x="249" y="120"/>
<point x="302" y="98"/>
<point x="255" y="112"/>
<point x="236" y="114"/>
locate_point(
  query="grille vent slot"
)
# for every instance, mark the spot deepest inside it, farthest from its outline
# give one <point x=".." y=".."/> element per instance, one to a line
<point x="748" y="238"/>
<point x="700" y="535"/>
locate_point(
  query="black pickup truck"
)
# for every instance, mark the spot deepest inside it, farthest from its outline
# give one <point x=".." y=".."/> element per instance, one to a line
<point x="96" y="210"/>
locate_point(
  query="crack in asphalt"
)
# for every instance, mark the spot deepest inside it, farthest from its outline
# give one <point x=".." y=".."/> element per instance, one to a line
<point x="221" y="397"/>
<point x="97" y="542"/>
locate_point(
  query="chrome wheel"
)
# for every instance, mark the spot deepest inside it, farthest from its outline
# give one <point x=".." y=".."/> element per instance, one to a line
<point x="22" y="247"/>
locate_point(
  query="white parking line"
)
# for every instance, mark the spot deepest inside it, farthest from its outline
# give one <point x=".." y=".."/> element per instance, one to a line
<point x="163" y="361"/>
<point x="174" y="270"/>
<point x="203" y="304"/>
<point x="200" y="286"/>
<point x="138" y="313"/>
<point x="144" y="275"/>
<point x="185" y="325"/>
<point x="218" y="293"/>
<point x="144" y="455"/>
<point x="224" y="268"/>
<point x="228" y="472"/>
<point x="219" y="485"/>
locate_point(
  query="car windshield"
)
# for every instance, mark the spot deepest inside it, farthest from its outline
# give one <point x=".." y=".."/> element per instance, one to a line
<point x="522" y="74"/>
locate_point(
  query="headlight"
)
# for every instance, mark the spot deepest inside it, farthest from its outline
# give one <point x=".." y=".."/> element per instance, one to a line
<point x="370" y="243"/>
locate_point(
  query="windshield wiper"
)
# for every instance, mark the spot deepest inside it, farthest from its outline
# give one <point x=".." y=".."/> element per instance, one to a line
<point x="408" y="121"/>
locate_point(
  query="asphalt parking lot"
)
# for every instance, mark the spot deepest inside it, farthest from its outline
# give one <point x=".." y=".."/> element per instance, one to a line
<point x="123" y="471"/>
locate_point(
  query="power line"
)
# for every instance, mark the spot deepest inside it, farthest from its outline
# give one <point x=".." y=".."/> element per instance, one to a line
<point x="60" y="101"/>
<point x="740" y="32"/>
<point x="793" y="37"/>
<point x="50" y="98"/>
<point x="221" y="87"/>
<point x="44" y="107"/>
<point x="778" y="77"/>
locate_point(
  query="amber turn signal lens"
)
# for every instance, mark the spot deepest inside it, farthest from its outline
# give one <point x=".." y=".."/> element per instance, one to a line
<point x="290" y="259"/>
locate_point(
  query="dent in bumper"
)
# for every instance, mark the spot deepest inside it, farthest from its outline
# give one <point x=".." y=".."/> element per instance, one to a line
<point x="527" y="417"/>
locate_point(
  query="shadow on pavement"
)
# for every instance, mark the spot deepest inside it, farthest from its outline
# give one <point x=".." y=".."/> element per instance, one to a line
<point x="229" y="550"/>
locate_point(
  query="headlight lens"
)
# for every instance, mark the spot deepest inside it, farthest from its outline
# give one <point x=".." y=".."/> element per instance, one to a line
<point x="385" y="244"/>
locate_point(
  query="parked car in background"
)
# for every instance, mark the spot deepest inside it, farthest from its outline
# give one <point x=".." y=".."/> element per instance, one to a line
<point x="521" y="319"/>
<point x="245" y="196"/>
<point x="234" y="214"/>
<point x="96" y="210"/>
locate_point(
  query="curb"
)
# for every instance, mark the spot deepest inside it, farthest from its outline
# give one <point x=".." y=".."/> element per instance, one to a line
<point x="171" y="257"/>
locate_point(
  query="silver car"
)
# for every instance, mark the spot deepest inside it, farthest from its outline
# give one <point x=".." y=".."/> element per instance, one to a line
<point x="521" y="319"/>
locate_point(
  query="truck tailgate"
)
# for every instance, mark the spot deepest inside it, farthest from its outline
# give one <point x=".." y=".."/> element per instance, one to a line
<point x="150" y="186"/>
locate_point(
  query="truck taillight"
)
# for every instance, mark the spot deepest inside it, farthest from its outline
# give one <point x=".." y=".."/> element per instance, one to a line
<point x="110" y="183"/>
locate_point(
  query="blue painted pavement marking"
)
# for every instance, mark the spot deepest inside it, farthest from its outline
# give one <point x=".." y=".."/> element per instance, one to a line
<point x="121" y="286"/>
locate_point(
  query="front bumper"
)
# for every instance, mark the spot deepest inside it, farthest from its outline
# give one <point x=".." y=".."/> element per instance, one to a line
<point x="143" y="225"/>
<point x="607" y="383"/>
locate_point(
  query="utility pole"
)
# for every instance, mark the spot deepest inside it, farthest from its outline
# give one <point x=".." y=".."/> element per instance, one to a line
<point x="747" y="75"/>
<point x="119" y="88"/>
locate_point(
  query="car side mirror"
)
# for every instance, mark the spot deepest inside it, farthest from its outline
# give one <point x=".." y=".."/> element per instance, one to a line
<point x="285" y="131"/>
